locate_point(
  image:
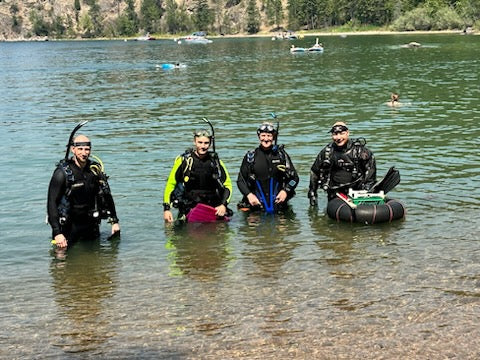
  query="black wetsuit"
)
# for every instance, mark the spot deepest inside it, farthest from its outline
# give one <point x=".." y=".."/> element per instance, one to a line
<point x="336" y="169"/>
<point x="261" y="165"/>
<point x="83" y="202"/>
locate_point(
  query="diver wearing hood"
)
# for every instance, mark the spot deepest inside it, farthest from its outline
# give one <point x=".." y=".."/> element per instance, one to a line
<point x="341" y="165"/>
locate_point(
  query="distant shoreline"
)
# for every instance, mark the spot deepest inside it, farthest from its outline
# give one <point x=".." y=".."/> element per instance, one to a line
<point x="258" y="35"/>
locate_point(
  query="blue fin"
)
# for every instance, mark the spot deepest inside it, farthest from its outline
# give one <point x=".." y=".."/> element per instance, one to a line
<point x="269" y="206"/>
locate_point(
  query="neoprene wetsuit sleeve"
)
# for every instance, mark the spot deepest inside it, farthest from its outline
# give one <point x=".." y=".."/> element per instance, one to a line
<point x="370" y="171"/>
<point x="111" y="207"/>
<point x="172" y="181"/>
<point x="319" y="172"/>
<point x="242" y="180"/>
<point x="291" y="175"/>
<point x="227" y="183"/>
<point x="56" y="190"/>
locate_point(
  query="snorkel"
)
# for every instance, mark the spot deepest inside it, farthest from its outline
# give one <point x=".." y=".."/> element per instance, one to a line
<point x="274" y="116"/>
<point x="215" y="155"/>
<point x="213" y="133"/>
<point x="72" y="135"/>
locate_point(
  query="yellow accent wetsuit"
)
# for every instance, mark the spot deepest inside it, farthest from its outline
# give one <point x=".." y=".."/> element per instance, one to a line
<point x="205" y="180"/>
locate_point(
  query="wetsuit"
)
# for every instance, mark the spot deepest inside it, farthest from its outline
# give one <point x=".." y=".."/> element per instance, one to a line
<point x="194" y="180"/>
<point x="258" y="168"/>
<point x="336" y="169"/>
<point x="86" y="206"/>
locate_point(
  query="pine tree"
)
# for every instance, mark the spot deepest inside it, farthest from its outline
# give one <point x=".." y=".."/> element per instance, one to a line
<point x="253" y="17"/>
<point x="204" y="16"/>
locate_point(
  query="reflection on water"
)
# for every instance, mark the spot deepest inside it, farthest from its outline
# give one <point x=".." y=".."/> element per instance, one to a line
<point x="198" y="250"/>
<point x="269" y="240"/>
<point x="294" y="286"/>
<point x="84" y="280"/>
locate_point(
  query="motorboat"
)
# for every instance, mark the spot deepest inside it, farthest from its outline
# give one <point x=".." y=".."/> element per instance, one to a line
<point x="145" y="37"/>
<point x="198" y="37"/>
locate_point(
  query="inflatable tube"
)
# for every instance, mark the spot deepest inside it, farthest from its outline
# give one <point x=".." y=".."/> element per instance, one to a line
<point x="392" y="210"/>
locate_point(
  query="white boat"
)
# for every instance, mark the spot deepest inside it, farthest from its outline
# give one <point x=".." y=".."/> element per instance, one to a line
<point x="198" y="37"/>
<point x="295" y="50"/>
<point x="316" y="48"/>
<point x="145" y="37"/>
<point x="286" y="35"/>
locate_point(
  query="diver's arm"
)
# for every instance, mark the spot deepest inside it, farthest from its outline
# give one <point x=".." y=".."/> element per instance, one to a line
<point x="292" y="178"/>
<point x="170" y="186"/>
<point x="56" y="190"/>
<point x="242" y="180"/>
<point x="319" y="174"/>
<point x="227" y="184"/>
<point x="370" y="174"/>
<point x="242" y="183"/>
<point x="113" y="219"/>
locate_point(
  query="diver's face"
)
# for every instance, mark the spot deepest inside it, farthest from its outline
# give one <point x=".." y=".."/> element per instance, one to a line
<point x="266" y="140"/>
<point x="340" y="138"/>
<point x="81" y="150"/>
<point x="202" y="144"/>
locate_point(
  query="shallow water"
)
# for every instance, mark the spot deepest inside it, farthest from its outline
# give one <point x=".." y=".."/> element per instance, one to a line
<point x="298" y="285"/>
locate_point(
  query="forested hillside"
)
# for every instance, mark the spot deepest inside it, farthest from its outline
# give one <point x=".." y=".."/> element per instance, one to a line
<point x="24" y="19"/>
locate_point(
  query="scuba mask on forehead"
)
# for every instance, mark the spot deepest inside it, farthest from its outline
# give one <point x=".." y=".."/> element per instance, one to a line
<point x="266" y="128"/>
<point x="202" y="132"/>
<point x="82" y="143"/>
<point x="338" y="129"/>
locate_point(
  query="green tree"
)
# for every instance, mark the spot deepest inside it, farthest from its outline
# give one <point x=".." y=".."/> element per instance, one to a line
<point x="310" y="10"/>
<point x="96" y="19"/>
<point x="274" y="12"/>
<point x="77" y="7"/>
<point x="86" y="25"/>
<point x="295" y="14"/>
<point x="253" y="17"/>
<point x="203" y="16"/>
<point x="39" y="26"/>
<point x="176" y="18"/>
<point x="58" y="27"/>
<point x="151" y="12"/>
<point x="469" y="10"/>
<point x="374" y="12"/>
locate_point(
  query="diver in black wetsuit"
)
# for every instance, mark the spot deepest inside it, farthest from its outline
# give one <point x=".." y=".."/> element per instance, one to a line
<point x="267" y="177"/>
<point x="79" y="197"/>
<point x="341" y="165"/>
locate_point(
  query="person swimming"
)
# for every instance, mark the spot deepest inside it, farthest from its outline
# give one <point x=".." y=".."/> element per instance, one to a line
<point x="394" y="100"/>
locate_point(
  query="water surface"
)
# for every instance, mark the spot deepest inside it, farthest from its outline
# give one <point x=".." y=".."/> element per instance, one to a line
<point x="298" y="285"/>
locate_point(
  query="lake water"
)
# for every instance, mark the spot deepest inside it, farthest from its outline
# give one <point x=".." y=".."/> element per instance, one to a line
<point x="297" y="286"/>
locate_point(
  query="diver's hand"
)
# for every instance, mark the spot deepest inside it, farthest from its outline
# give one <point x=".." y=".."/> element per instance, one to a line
<point x="253" y="200"/>
<point x="281" y="197"/>
<point x="115" y="228"/>
<point x="60" y="241"/>
<point x="221" y="210"/>
<point x="168" y="216"/>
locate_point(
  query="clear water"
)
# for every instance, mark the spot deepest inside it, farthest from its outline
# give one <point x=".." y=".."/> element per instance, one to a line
<point x="297" y="286"/>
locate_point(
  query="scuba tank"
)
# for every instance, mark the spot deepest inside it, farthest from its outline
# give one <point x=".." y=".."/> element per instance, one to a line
<point x="101" y="210"/>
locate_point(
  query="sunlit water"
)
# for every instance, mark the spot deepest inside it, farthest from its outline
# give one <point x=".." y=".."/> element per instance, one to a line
<point x="295" y="286"/>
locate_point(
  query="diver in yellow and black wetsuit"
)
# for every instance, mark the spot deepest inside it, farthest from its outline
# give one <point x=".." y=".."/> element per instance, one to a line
<point x="198" y="176"/>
